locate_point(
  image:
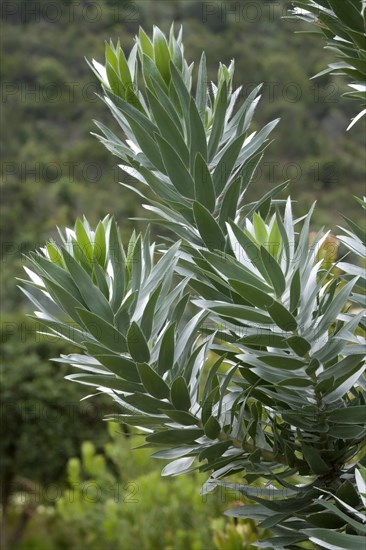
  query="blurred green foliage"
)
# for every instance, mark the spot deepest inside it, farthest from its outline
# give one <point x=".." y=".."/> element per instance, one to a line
<point x="126" y="503"/>
<point x="118" y="500"/>
<point x="42" y="420"/>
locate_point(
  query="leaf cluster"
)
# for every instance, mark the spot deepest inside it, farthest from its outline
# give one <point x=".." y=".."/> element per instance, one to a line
<point x="236" y="350"/>
<point x="343" y="27"/>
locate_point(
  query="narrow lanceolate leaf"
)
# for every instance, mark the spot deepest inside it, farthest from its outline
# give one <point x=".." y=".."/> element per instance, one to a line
<point x="107" y="381"/>
<point x="326" y="538"/>
<point x="137" y="345"/>
<point x="197" y="138"/>
<point x="100" y="278"/>
<point x="147" y="320"/>
<point x="175" y="51"/>
<point x="102" y="331"/>
<point x="56" y="274"/>
<point x="182" y="417"/>
<point x="152" y="382"/>
<point x="55" y="254"/>
<point x="180" y="394"/>
<point x="343" y="518"/>
<point x="110" y="55"/>
<point x="201" y="93"/>
<point x="168" y="129"/>
<point x="66" y="301"/>
<point x="99" y="251"/>
<point x="168" y="437"/>
<point x="166" y="352"/>
<point x="235" y="270"/>
<point x="135" y="264"/>
<point x="349" y="14"/>
<point x="152" y="75"/>
<point x="229" y="206"/>
<point x="295" y="290"/>
<point x="215" y="450"/>
<point x="146" y="141"/>
<point x="282" y="361"/>
<point x="120" y="365"/>
<point x="218" y="122"/>
<point x="164" y="99"/>
<point x="118" y="261"/>
<point x="145" y="44"/>
<point x="80" y="256"/>
<point x="143" y="420"/>
<point x="260" y="229"/>
<point x="174" y="452"/>
<point x="124" y="70"/>
<point x="315" y="461"/>
<point x="208" y="228"/>
<point x="114" y="81"/>
<point x="360" y="475"/>
<point x="274" y="271"/>
<point x="349" y="415"/>
<point x="263" y="338"/>
<point x="346" y="382"/>
<point x="203" y="185"/>
<point x="249" y="245"/>
<point x="175" y="168"/>
<point x="299" y="345"/>
<point x="83" y="239"/>
<point x="146" y="403"/>
<point x="212" y="428"/>
<point x="161" y="54"/>
<point x="336" y="306"/>
<point x="282" y="317"/>
<point x="93" y="297"/>
<point x="252" y="294"/>
<point x="235" y="311"/>
<point x="181" y="93"/>
<point x="180" y="466"/>
<point x="226" y="164"/>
